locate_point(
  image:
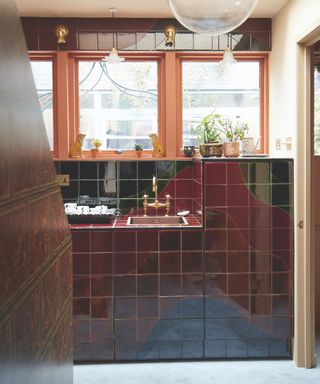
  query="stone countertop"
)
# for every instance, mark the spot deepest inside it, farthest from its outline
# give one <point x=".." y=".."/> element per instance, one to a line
<point x="194" y="221"/>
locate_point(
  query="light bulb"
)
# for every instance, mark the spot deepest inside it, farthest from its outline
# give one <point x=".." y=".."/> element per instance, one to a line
<point x="212" y="16"/>
<point x="113" y="57"/>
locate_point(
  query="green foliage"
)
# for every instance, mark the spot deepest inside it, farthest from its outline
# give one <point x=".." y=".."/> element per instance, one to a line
<point x="209" y="129"/>
<point x="138" y="147"/>
<point x="234" y="130"/>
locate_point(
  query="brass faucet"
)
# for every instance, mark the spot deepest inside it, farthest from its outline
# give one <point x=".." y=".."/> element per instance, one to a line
<point x="156" y="204"/>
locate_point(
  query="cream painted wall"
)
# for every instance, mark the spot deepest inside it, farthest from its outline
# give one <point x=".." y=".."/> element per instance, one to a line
<point x="287" y="26"/>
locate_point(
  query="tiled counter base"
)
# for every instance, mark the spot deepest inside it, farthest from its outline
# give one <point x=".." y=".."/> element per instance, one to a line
<point x="217" y="292"/>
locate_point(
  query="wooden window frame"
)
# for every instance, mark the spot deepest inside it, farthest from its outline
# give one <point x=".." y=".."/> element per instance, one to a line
<point x="66" y="98"/>
<point x="50" y="56"/>
<point x="261" y="57"/>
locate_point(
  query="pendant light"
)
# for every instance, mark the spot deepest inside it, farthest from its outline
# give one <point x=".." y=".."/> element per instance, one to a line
<point x="228" y="58"/>
<point x="113" y="57"/>
<point x="212" y="16"/>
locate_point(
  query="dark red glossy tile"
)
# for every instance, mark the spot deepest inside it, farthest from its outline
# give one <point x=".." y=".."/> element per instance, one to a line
<point x="215" y="218"/>
<point x="147" y="285"/>
<point x="125" y="263"/>
<point x="282" y="305"/>
<point x="237" y="173"/>
<point x="183" y="204"/>
<point x="260" y="239"/>
<point x="192" y="240"/>
<point x="282" y="239"/>
<point x="281" y="218"/>
<point x="238" y="262"/>
<point x="125" y="307"/>
<point x="192" y="284"/>
<point x="215" y="240"/>
<point x="166" y="187"/>
<point x="238" y="217"/>
<point x="81" y="309"/>
<point x="215" y="173"/>
<point x="281" y="283"/>
<point x="185" y="173"/>
<point x="242" y="303"/>
<point x="261" y="305"/>
<point x="238" y="240"/>
<point x="81" y="331"/>
<point x="101" y="241"/>
<point x="197" y="171"/>
<point x="170" y="285"/>
<point x="125" y="241"/>
<point x="215" y="284"/>
<point x="101" y="330"/>
<point x="81" y="263"/>
<point x="215" y="196"/>
<point x="148" y="307"/>
<point x="237" y="196"/>
<point x="197" y="190"/>
<point x="101" y="286"/>
<point x="282" y="261"/>
<point x="170" y="262"/>
<point x="192" y="262"/>
<point x="147" y="241"/>
<point x="101" y="308"/>
<point x="260" y="261"/>
<point x="260" y="217"/>
<point x="125" y="330"/>
<point x="101" y="263"/>
<point x="170" y="307"/>
<point x="148" y="330"/>
<point x="184" y="189"/>
<point x="260" y="283"/>
<point x="238" y="284"/>
<point x="102" y="351"/>
<point x="216" y="262"/>
<point x="126" y="350"/>
<point x="80" y="241"/>
<point x="125" y="285"/>
<point x="147" y="262"/>
<point x="170" y="240"/>
<point x="81" y="286"/>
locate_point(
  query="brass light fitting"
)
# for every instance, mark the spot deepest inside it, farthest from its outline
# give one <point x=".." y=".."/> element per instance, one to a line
<point x="170" y="33"/>
<point x="61" y="33"/>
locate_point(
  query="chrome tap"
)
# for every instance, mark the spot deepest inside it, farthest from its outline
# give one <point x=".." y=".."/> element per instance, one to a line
<point x="156" y="204"/>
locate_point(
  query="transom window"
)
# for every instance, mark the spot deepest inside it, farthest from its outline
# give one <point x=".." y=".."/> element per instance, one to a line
<point x="43" y="77"/>
<point x="232" y="92"/>
<point x="118" y="104"/>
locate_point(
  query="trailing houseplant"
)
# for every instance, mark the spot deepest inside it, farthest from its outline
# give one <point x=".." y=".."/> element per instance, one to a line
<point x="139" y="149"/>
<point x="208" y="132"/>
<point x="234" y="132"/>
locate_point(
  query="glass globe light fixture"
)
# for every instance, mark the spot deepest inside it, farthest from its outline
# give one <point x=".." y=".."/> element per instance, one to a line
<point x="212" y="16"/>
<point x="113" y="57"/>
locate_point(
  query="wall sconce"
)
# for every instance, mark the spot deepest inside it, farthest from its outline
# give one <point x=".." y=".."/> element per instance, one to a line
<point x="170" y="33"/>
<point x="61" y="32"/>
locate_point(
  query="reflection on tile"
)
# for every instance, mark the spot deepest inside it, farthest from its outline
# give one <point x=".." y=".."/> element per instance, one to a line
<point x="108" y="188"/>
<point x="107" y="170"/>
<point x="165" y="169"/>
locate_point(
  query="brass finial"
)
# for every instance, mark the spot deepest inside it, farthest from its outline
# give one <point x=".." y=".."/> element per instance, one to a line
<point x="61" y="32"/>
<point x="170" y="33"/>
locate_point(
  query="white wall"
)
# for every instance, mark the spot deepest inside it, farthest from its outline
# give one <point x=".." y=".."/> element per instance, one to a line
<point x="296" y="17"/>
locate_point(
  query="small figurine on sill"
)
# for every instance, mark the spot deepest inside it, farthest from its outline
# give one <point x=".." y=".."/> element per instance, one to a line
<point x="157" y="148"/>
<point x="76" y="148"/>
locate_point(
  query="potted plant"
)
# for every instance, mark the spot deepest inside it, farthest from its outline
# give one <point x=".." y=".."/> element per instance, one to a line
<point x="138" y="148"/>
<point x="234" y="131"/>
<point x="208" y="132"/>
<point x="96" y="147"/>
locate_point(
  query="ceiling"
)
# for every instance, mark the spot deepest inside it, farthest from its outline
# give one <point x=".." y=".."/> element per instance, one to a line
<point x="125" y="8"/>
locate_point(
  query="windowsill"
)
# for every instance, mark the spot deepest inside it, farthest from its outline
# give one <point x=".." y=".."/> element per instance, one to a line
<point x="123" y="157"/>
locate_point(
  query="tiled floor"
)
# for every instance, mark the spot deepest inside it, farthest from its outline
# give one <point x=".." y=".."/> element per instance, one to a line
<point x="222" y="372"/>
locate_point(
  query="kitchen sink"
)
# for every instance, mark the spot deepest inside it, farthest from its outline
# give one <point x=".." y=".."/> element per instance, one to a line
<point x="157" y="220"/>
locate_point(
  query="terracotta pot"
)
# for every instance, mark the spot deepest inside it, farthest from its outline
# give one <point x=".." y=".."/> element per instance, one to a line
<point x="231" y="149"/>
<point x="95" y="152"/>
<point x="211" y="149"/>
<point x="139" y="153"/>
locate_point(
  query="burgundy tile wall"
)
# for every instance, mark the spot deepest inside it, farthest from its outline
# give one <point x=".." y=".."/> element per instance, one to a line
<point x="223" y="291"/>
<point x="35" y="242"/>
